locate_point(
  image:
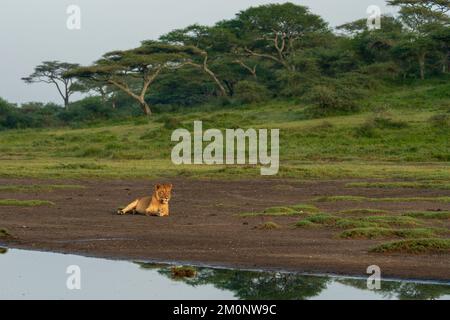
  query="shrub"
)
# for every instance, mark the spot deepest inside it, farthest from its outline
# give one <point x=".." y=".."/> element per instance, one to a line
<point x="251" y="92"/>
<point x="331" y="99"/>
<point x="440" y="121"/>
<point x="366" y="130"/>
<point x="170" y="123"/>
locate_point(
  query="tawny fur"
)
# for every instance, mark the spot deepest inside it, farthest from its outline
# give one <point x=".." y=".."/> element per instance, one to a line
<point x="156" y="205"/>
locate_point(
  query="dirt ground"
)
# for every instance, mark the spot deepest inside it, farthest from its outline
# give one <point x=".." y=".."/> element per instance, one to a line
<point x="203" y="227"/>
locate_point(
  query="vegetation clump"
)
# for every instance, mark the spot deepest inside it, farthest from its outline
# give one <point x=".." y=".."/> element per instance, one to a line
<point x="4" y="233"/>
<point x="417" y="246"/>
<point x="373" y="233"/>
<point x="25" y="203"/>
<point x="443" y="215"/>
<point x="183" y="272"/>
<point x="268" y="226"/>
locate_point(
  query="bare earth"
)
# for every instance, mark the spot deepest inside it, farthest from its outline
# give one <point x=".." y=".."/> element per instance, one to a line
<point x="203" y="227"/>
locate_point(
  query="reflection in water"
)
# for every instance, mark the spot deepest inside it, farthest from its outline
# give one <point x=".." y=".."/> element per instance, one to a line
<point x="251" y="285"/>
<point x="404" y="290"/>
<point x="43" y="275"/>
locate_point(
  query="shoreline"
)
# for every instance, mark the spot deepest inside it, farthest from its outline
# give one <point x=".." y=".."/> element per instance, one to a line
<point x="198" y="264"/>
<point x="206" y="229"/>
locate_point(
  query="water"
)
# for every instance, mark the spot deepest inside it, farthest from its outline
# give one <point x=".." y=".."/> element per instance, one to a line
<point x="39" y="275"/>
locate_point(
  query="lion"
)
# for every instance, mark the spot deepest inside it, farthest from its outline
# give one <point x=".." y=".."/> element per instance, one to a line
<point x="156" y="205"/>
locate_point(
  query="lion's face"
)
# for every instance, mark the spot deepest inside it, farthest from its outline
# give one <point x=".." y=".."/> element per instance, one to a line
<point x="163" y="192"/>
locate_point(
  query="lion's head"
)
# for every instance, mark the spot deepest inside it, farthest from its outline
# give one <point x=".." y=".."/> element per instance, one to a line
<point x="163" y="192"/>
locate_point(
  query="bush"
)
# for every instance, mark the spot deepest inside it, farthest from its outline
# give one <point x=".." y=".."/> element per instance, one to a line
<point x="329" y="100"/>
<point x="88" y="109"/>
<point x="251" y="92"/>
<point x="170" y="123"/>
<point x="440" y="121"/>
<point x="366" y="130"/>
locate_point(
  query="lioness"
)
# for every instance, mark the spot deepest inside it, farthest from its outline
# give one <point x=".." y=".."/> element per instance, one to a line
<point x="156" y="205"/>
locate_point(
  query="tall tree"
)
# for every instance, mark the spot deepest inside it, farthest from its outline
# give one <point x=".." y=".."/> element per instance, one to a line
<point x="53" y="72"/>
<point x="421" y="18"/>
<point x="134" y="71"/>
<point x="275" y="31"/>
<point x="202" y="38"/>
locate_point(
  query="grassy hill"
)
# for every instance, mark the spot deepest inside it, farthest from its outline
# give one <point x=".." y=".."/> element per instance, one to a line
<point x="401" y="132"/>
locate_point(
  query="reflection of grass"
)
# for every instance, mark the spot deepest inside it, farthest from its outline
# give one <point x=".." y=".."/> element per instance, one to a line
<point x="414" y="246"/>
<point x="372" y="233"/>
<point x="429" y="214"/>
<point x="4" y="233"/>
<point x="25" y="203"/>
<point x="295" y="210"/>
<point x="183" y="272"/>
<point x="268" y="226"/>
<point x="37" y="188"/>
<point x="410" y="185"/>
<point x="362" y="199"/>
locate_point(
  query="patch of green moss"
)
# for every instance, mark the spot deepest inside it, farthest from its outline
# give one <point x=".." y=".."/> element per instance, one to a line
<point x="418" y="246"/>
<point x="372" y="233"/>
<point x="25" y="203"/>
<point x="429" y="215"/>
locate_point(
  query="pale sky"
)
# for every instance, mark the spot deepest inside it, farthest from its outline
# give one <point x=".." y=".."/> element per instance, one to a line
<point x="35" y="31"/>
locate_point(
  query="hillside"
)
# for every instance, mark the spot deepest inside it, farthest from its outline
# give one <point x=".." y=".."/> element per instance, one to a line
<point x="400" y="132"/>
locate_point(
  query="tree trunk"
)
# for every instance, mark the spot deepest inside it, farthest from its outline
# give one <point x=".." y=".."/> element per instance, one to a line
<point x="216" y="80"/>
<point x="145" y="107"/>
<point x="422" y="65"/>
<point x="66" y="102"/>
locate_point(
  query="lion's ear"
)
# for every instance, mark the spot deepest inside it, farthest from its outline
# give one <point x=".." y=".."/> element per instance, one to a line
<point x="158" y="186"/>
<point x="170" y="186"/>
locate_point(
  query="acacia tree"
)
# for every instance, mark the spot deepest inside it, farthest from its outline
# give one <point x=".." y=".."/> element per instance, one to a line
<point x="202" y="38"/>
<point x="134" y="71"/>
<point x="421" y="18"/>
<point x="104" y="90"/>
<point x="53" y="72"/>
<point x="275" y="31"/>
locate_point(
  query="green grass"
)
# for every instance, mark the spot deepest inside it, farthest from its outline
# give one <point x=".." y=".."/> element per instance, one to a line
<point x="443" y="185"/>
<point x="295" y="210"/>
<point x="406" y="146"/>
<point x="25" y="203"/>
<point x="363" y="211"/>
<point x="3" y="250"/>
<point x="38" y="188"/>
<point x="329" y="220"/>
<point x="373" y="233"/>
<point x="367" y="199"/>
<point x="305" y="208"/>
<point x="444" y="215"/>
<point x="417" y="246"/>
<point x="398" y="221"/>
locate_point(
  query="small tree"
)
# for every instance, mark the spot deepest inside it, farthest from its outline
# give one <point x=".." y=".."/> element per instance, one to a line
<point x="53" y="72"/>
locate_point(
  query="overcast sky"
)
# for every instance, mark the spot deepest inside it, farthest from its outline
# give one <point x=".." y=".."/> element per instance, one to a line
<point x="36" y="31"/>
